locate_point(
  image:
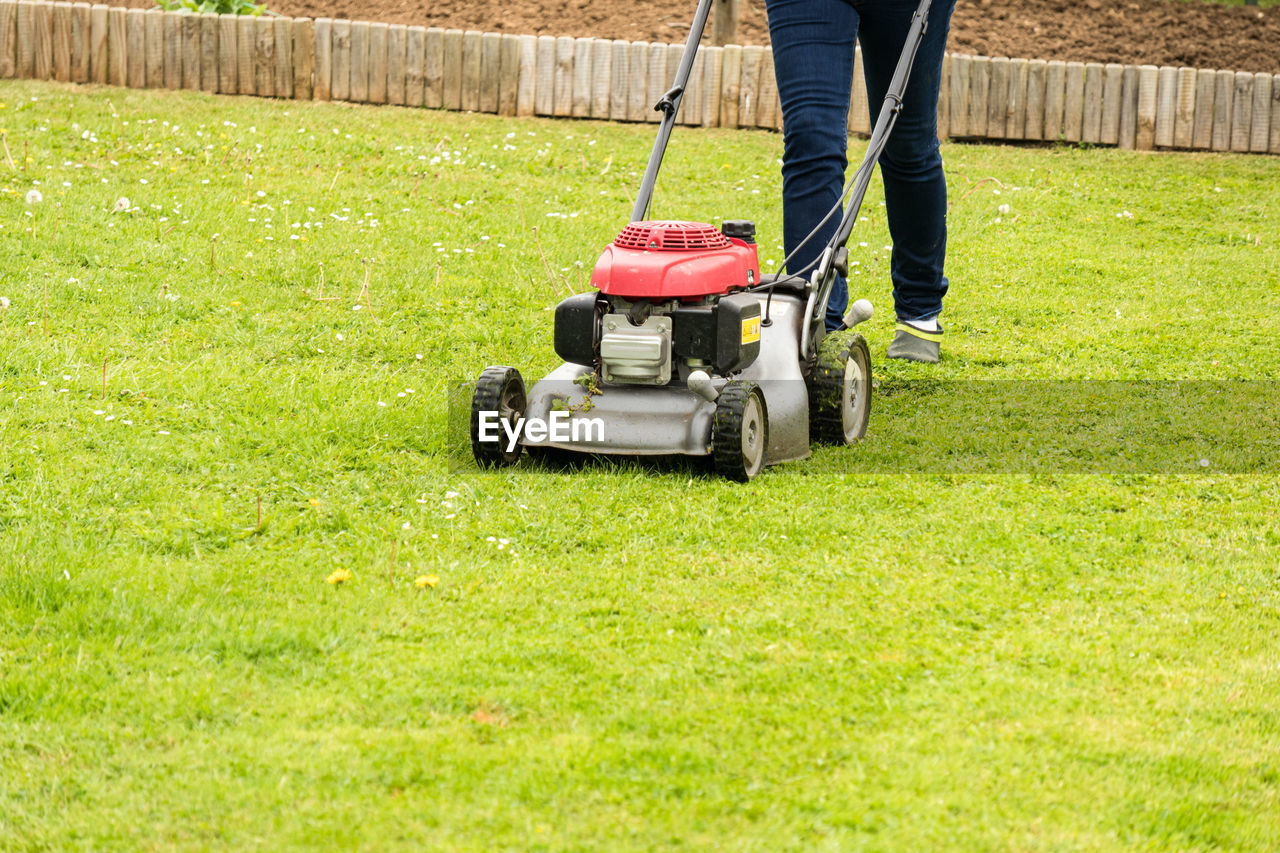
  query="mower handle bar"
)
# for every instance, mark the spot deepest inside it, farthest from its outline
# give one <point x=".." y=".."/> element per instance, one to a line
<point x="669" y="106"/>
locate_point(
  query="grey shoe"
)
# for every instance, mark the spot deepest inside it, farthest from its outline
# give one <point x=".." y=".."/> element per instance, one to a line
<point x="914" y="344"/>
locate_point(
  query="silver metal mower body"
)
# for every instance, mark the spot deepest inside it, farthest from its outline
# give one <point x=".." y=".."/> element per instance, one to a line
<point x="654" y="420"/>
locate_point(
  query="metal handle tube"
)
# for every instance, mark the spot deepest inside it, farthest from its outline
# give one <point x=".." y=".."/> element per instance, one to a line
<point x="670" y="106"/>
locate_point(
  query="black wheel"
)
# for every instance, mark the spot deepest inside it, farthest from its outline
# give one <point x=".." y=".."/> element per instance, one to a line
<point x="840" y="389"/>
<point x="501" y="390"/>
<point x="740" y="431"/>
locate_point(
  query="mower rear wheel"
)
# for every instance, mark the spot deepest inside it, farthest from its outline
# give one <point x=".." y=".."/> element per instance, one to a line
<point x="840" y="389"/>
<point x="501" y="390"/>
<point x="740" y="431"/>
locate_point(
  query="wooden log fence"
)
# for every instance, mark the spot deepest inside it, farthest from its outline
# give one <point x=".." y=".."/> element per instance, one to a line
<point x="982" y="98"/>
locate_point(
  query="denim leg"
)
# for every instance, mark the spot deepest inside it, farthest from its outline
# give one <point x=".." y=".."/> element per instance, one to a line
<point x="813" y="44"/>
<point x="914" y="186"/>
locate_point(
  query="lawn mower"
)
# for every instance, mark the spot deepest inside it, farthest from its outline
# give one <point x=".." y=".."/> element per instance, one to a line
<point x="684" y="348"/>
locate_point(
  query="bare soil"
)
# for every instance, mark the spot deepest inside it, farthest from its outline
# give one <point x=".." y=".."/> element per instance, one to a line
<point x="1156" y="32"/>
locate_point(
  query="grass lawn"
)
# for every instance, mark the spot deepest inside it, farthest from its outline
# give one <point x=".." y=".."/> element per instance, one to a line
<point x="235" y="385"/>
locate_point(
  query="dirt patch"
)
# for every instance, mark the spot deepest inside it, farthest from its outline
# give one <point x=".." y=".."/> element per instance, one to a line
<point x="1156" y="32"/>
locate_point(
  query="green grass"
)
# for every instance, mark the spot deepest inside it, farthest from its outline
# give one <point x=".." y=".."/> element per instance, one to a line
<point x="858" y="651"/>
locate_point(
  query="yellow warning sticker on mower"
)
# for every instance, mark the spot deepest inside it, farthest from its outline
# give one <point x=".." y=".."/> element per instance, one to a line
<point x="750" y="330"/>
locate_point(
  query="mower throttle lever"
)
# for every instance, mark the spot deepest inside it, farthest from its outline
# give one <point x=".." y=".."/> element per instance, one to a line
<point x="667" y="104"/>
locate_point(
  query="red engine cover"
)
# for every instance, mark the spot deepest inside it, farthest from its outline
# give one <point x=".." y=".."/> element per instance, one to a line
<point x="675" y="260"/>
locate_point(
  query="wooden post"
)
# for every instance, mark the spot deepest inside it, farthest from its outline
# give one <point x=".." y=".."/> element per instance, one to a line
<point x="42" y="33"/>
<point x="1129" y="108"/>
<point x="544" y="90"/>
<point x="1091" y="126"/>
<point x="471" y="50"/>
<point x="24" y="42"/>
<point x="859" y="109"/>
<point x="768" y="113"/>
<point x="81" y="43"/>
<point x="582" y="76"/>
<point x="9" y="39"/>
<point x="1015" y="126"/>
<point x="415" y="65"/>
<point x="1242" y="112"/>
<point x="621" y="76"/>
<point x="724" y="22"/>
<point x="1148" y="79"/>
<point x="397" y="71"/>
<point x="508" y="75"/>
<point x="527" y="80"/>
<point x="1166" y="106"/>
<point x="1223" y="109"/>
<point x="99" y="53"/>
<point x="190" y="50"/>
<point x="730" y="86"/>
<point x="490" y="65"/>
<point x="1055" y="104"/>
<point x="979" y="86"/>
<point x="228" y="54"/>
<point x="61" y="43"/>
<point x="246" y="48"/>
<point x="433" y="68"/>
<point x="284" y="57"/>
<point x="172" y="50"/>
<point x="209" y="53"/>
<point x="1184" y="123"/>
<point x="153" y="39"/>
<point x="1259" y="137"/>
<point x="691" y="108"/>
<point x="749" y="85"/>
<point x="340" y="61"/>
<point x="997" y="110"/>
<point x="637" y="81"/>
<point x="657" y="83"/>
<point x="712" y="78"/>
<point x="562" y="81"/>
<point x="1073" y="109"/>
<point x="359" y="69"/>
<point x="1035" y="99"/>
<point x="264" y="57"/>
<point x="304" y="58"/>
<point x="601" y="73"/>
<point x="961" y="75"/>
<point x="117" y="47"/>
<point x="378" y="64"/>
<point x="136" y="36"/>
<point x="322" y="88"/>
<point x="1112" y="95"/>
<point x="452" y="69"/>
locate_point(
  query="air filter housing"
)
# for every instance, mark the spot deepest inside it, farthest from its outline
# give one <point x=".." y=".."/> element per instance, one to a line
<point x="674" y="259"/>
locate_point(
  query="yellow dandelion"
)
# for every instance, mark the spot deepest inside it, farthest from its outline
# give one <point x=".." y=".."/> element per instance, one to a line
<point x="314" y="502"/>
<point x="339" y="576"/>
<point x="424" y="581"/>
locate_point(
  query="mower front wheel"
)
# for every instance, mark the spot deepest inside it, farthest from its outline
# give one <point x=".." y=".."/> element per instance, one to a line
<point x="840" y="389"/>
<point x="499" y="390"/>
<point x="740" y="433"/>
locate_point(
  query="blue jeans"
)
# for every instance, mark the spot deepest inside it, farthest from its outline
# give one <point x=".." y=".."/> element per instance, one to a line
<point x="813" y="48"/>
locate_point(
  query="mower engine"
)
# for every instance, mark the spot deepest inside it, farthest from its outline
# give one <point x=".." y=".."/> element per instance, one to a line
<point x="671" y="299"/>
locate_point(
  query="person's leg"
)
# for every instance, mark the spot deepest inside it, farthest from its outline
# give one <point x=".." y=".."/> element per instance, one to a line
<point x="911" y="166"/>
<point x="813" y="44"/>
